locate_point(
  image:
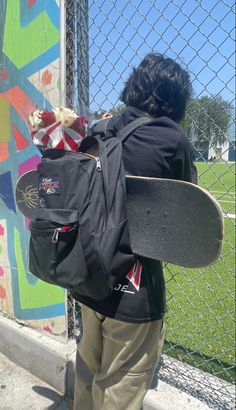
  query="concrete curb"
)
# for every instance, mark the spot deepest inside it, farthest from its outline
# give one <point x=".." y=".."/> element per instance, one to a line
<point x="44" y="357"/>
<point x="206" y="387"/>
<point x="53" y="362"/>
<point x="167" y="397"/>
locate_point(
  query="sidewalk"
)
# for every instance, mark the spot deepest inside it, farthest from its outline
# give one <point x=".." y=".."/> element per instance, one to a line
<point x="19" y="389"/>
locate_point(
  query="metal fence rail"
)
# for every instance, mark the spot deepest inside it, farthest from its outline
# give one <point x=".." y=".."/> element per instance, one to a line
<point x="105" y="39"/>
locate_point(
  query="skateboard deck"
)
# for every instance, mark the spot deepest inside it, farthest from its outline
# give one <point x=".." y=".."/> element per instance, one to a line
<point x="173" y="221"/>
<point x="27" y="198"/>
<point x="169" y="220"/>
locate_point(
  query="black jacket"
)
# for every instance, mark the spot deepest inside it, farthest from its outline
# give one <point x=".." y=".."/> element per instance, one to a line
<point x="158" y="149"/>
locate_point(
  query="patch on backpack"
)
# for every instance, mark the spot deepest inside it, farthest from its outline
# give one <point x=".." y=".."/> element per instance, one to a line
<point x="49" y="186"/>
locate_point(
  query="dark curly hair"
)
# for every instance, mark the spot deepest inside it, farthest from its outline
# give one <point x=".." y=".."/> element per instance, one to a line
<point x="159" y="87"/>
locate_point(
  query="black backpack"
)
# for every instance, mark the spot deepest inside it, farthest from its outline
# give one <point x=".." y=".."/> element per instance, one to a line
<point x="79" y="237"/>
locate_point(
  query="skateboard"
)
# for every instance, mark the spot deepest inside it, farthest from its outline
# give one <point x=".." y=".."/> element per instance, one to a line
<point x="172" y="221"/>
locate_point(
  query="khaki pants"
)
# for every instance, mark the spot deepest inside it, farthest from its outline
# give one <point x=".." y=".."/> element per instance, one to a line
<point x="115" y="362"/>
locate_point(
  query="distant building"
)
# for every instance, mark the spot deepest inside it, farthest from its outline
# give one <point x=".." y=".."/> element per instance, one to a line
<point x="224" y="152"/>
<point x="232" y="139"/>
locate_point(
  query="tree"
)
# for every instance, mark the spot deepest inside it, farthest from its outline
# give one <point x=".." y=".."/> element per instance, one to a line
<point x="114" y="111"/>
<point x="98" y="114"/>
<point x="206" y="121"/>
<point x="117" y="110"/>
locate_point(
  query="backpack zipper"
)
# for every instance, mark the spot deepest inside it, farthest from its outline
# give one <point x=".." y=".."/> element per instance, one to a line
<point x="58" y="230"/>
<point x="97" y="159"/>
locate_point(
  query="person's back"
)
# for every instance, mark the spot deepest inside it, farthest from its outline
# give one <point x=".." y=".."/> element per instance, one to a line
<point x="123" y="334"/>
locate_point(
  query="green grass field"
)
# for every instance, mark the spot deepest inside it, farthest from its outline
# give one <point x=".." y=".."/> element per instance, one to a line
<point x="201" y="316"/>
<point x="219" y="179"/>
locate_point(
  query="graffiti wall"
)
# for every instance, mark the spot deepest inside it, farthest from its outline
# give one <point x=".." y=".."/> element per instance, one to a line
<point x="29" y="78"/>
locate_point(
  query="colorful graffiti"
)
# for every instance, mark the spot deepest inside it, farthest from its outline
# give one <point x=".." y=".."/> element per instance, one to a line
<point x="29" y="78"/>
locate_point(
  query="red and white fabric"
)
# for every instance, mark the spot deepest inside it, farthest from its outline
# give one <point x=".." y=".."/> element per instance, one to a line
<point x="58" y="136"/>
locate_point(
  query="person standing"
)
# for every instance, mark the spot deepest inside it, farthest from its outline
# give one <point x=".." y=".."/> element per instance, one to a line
<point x="123" y="335"/>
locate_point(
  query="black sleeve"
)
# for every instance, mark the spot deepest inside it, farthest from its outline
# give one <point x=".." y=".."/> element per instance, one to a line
<point x="183" y="167"/>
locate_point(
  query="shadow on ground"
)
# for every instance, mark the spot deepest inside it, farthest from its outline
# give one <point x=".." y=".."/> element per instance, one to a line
<point x="58" y="402"/>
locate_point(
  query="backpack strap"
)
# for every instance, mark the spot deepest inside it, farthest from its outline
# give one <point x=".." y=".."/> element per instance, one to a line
<point x="129" y="128"/>
<point x="100" y="127"/>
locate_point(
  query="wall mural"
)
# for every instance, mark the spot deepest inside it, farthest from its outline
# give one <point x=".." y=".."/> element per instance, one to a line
<point x="29" y="78"/>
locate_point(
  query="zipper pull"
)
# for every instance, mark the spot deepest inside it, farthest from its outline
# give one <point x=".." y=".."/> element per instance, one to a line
<point x="55" y="235"/>
<point x="58" y="230"/>
<point x="98" y="167"/>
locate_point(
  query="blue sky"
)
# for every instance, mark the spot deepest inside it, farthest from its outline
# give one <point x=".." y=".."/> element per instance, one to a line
<point x="198" y="34"/>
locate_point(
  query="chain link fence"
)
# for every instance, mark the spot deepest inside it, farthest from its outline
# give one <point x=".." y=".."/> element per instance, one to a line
<point x="104" y="40"/>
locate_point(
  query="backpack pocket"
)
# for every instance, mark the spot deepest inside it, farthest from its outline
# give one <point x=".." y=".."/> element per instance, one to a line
<point x="55" y="253"/>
